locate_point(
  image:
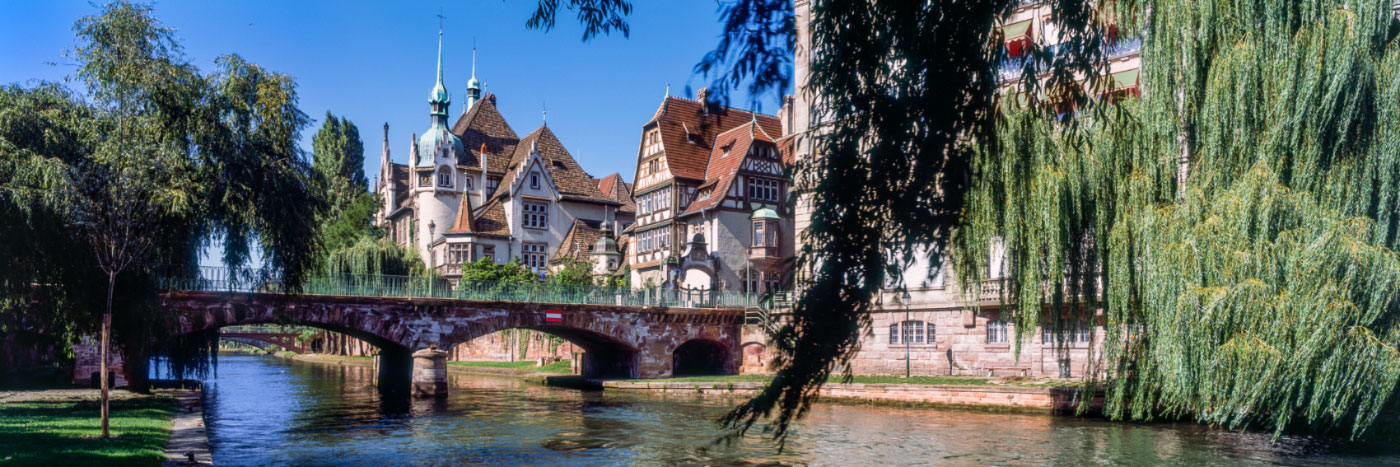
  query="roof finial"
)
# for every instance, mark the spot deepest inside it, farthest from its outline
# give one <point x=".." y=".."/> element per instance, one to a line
<point x="668" y="90"/>
<point x="439" y="70"/>
<point x="544" y="113"/>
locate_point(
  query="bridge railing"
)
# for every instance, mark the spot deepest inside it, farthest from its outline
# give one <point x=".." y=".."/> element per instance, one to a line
<point x="218" y="279"/>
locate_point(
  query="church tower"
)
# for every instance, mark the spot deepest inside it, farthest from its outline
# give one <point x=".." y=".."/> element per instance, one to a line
<point x="437" y="191"/>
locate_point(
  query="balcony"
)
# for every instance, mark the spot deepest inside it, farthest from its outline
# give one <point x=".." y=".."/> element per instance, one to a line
<point x="763" y="256"/>
<point x="449" y="270"/>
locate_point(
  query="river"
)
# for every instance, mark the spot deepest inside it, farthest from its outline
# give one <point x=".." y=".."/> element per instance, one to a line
<point x="271" y="411"/>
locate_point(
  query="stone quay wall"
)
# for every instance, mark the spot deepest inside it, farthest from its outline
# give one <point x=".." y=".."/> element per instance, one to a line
<point x="1034" y="399"/>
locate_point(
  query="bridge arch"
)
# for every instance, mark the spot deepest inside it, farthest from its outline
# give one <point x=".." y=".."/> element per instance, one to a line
<point x="702" y="357"/>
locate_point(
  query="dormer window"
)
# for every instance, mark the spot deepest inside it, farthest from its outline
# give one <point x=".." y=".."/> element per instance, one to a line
<point x="534" y="180"/>
<point x="559" y="165"/>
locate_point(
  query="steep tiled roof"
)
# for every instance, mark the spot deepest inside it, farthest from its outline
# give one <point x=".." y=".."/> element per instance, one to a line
<point x="787" y="149"/>
<point x="578" y="243"/>
<point x="614" y="188"/>
<point x="401" y="183"/>
<point x="678" y="119"/>
<point x="569" y="178"/>
<point x="731" y="147"/>
<point x="491" y="219"/>
<point x="466" y="222"/>
<point x="484" y="125"/>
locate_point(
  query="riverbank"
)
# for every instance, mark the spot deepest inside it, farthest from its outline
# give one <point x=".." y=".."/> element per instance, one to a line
<point x="61" y="427"/>
<point x="963" y="392"/>
<point x="981" y="396"/>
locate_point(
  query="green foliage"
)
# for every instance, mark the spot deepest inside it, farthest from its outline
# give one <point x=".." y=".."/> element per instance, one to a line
<point x="485" y="269"/>
<point x="370" y="256"/>
<point x="1242" y="218"/>
<point x="197" y="157"/>
<point x="574" y="272"/>
<point x="346" y="208"/>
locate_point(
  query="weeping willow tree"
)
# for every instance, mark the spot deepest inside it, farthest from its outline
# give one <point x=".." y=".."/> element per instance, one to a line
<point x="1235" y="229"/>
<point x="371" y="256"/>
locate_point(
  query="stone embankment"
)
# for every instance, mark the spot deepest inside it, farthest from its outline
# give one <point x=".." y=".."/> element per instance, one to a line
<point x="189" y="441"/>
<point x="993" y="397"/>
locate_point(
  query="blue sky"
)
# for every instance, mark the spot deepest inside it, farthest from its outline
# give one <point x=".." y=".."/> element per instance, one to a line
<point x="374" y="62"/>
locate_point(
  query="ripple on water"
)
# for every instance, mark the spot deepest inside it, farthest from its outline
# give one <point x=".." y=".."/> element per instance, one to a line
<point x="269" y="411"/>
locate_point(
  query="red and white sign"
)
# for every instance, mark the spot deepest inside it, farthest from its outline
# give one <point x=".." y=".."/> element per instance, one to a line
<point x="553" y="316"/>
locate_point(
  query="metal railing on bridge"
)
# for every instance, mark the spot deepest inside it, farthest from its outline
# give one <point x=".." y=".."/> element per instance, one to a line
<point x="219" y="279"/>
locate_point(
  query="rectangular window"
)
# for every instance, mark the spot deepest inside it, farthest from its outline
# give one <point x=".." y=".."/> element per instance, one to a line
<point x="445" y="178"/>
<point x="488" y="251"/>
<point x="996" y="332"/>
<point x="651" y="142"/>
<point x="536" y="216"/>
<point x="894" y="333"/>
<point x="758" y="236"/>
<point x="763" y="190"/>
<point x="458" y="253"/>
<point x="491" y="185"/>
<point x="1078" y="335"/>
<point x="533" y="255"/>
<point x="931" y="334"/>
<point x="534" y="180"/>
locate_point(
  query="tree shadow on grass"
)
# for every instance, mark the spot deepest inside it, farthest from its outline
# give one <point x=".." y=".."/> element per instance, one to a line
<point x="66" y="433"/>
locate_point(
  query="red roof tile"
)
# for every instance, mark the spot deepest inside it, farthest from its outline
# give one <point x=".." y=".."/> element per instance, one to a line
<point x="679" y="119"/>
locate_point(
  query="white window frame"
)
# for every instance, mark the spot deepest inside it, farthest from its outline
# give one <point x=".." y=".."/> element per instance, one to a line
<point x="534" y="215"/>
<point x="997" y="332"/>
<point x="533" y="254"/>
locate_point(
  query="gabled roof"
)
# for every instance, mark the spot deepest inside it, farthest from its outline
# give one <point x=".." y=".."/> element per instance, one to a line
<point x="569" y="178"/>
<point x="731" y="148"/>
<point x="679" y="118"/>
<point x="578" y="243"/>
<point x="466" y="222"/>
<point x="614" y="188"/>
<point x="483" y="125"/>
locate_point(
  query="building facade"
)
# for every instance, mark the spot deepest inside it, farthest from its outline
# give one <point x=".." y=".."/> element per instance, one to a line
<point x="709" y="188"/>
<point x="476" y="190"/>
<point x="939" y="330"/>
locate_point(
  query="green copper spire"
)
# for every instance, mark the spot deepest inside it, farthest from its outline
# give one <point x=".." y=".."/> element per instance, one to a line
<point x="473" y="86"/>
<point x="439" y="99"/>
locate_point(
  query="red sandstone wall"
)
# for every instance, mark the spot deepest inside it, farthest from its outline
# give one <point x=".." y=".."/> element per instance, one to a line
<point x="500" y="346"/>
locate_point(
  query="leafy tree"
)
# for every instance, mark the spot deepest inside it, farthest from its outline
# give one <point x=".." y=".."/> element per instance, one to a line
<point x="889" y="172"/>
<point x="574" y="272"/>
<point x="371" y="256"/>
<point x="155" y="161"/>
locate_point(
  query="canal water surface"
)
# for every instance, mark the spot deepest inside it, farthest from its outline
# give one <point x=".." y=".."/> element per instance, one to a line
<point x="270" y="411"/>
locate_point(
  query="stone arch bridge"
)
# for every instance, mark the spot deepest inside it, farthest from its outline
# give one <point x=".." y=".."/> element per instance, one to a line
<point x="285" y="340"/>
<point x="619" y="341"/>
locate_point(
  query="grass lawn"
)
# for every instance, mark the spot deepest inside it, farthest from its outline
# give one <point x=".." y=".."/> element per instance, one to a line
<point x="64" y="432"/>
<point x="961" y="380"/>
<point x="527" y="365"/>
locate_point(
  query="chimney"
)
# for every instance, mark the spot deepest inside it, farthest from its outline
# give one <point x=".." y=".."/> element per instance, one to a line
<point x="703" y="95"/>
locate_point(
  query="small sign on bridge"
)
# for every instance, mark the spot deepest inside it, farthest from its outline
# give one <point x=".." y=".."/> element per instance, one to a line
<point x="553" y="316"/>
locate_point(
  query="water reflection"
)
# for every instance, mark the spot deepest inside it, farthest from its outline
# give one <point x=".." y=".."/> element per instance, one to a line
<point x="269" y="411"/>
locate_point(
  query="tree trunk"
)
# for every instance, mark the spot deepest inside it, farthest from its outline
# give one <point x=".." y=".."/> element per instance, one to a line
<point x="106" y="341"/>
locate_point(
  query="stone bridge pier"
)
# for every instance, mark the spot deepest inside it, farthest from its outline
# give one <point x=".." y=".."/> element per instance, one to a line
<point x="412" y="334"/>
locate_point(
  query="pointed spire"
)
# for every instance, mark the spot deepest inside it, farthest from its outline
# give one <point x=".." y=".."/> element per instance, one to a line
<point x="474" y="85"/>
<point x="439" y="99"/>
<point x="544" y="114"/>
